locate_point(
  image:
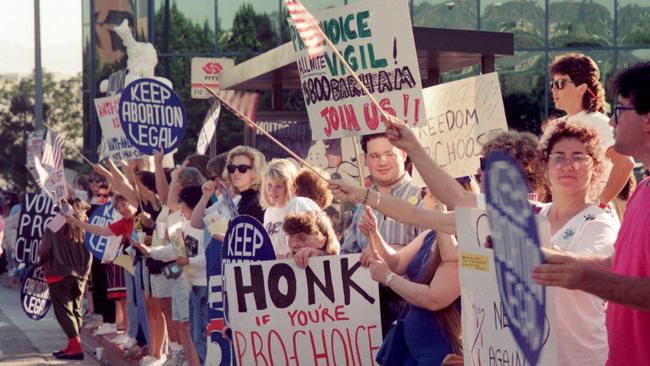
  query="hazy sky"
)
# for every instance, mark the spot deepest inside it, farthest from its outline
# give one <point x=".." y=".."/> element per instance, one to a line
<point x="60" y="36"/>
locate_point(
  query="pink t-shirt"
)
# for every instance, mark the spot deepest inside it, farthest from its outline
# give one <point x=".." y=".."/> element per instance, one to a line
<point x="628" y="330"/>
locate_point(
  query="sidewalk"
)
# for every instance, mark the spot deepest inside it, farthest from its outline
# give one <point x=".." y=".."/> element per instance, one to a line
<point x="25" y="342"/>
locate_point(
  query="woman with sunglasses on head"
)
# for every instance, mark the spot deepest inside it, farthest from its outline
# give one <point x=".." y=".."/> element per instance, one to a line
<point x="573" y="160"/>
<point x="577" y="90"/>
<point x="243" y="173"/>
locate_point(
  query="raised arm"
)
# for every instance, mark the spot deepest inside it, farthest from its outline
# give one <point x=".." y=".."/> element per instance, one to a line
<point x="162" y="186"/>
<point x="199" y="210"/>
<point x="93" y="229"/>
<point x="396" y="208"/>
<point x="442" y="185"/>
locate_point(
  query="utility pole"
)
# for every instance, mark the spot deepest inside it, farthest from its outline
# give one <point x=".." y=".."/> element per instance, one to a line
<point x="38" y="71"/>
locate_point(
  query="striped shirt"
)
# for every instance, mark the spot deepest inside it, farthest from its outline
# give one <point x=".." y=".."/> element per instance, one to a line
<point x="393" y="231"/>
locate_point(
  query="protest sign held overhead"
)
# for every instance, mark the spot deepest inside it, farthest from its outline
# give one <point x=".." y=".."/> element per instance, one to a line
<point x="35" y="294"/>
<point x="487" y="338"/>
<point x="152" y="116"/>
<point x="460" y="117"/>
<point x="113" y="138"/>
<point x="327" y="313"/>
<point x="209" y="126"/>
<point x="376" y="40"/>
<point x="37" y="212"/>
<point x="34" y="146"/>
<point x="516" y="242"/>
<point x="206" y="70"/>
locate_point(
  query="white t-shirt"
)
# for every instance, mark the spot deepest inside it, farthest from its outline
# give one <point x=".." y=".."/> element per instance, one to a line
<point x="580" y="317"/>
<point x="273" y="219"/>
<point x="600" y="122"/>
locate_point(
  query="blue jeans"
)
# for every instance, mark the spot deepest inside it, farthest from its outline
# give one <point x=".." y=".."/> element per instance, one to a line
<point x="199" y="319"/>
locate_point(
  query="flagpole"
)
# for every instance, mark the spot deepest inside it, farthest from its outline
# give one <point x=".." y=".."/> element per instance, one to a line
<point x="254" y="125"/>
<point x="73" y="147"/>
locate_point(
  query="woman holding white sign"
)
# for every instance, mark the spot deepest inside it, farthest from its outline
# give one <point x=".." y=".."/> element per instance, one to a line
<point x="573" y="161"/>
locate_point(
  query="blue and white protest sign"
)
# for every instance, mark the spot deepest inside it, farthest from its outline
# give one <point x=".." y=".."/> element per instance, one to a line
<point x="218" y="350"/>
<point x="516" y="244"/>
<point x="97" y="245"/>
<point x="247" y="240"/>
<point x="152" y="115"/>
<point x="35" y="294"/>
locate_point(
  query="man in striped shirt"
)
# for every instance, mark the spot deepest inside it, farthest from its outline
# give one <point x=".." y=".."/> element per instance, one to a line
<point x="389" y="176"/>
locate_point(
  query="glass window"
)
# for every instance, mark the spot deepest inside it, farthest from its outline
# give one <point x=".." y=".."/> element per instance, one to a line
<point x="250" y="29"/>
<point x="633" y="27"/>
<point x="450" y="14"/>
<point x="581" y="23"/>
<point x="525" y="19"/>
<point x="523" y="81"/>
<point x="628" y="58"/>
<point x="184" y="26"/>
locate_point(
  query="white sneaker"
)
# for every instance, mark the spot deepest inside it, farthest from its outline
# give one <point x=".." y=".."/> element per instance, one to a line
<point x="106" y="328"/>
<point x="152" y="361"/>
<point x="120" y="339"/>
<point x="129" y="343"/>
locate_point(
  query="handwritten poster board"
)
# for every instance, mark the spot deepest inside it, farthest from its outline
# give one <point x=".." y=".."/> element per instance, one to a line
<point x="487" y="339"/>
<point x="461" y="115"/>
<point x="376" y="40"/>
<point x="114" y="141"/>
<point x="37" y="212"/>
<point x="327" y="313"/>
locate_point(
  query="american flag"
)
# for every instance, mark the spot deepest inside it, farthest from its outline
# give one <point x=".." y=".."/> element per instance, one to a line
<point x="41" y="174"/>
<point x="58" y="220"/>
<point x="53" y="150"/>
<point x="307" y="27"/>
<point x="244" y="102"/>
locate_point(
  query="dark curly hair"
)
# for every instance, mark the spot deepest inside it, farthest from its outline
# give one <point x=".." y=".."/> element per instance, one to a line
<point x="571" y="130"/>
<point x="582" y="70"/>
<point x="524" y="148"/>
<point x="309" y="184"/>
<point x="312" y="223"/>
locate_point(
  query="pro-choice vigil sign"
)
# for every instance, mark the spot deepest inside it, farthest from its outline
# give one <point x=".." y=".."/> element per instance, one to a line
<point x="35" y="294"/>
<point x="152" y="115"/>
<point x="487" y="336"/>
<point x="327" y="313"/>
<point x="376" y="40"/>
<point x="461" y="115"/>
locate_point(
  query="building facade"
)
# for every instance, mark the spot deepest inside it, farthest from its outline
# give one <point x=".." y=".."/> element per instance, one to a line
<point x="615" y="33"/>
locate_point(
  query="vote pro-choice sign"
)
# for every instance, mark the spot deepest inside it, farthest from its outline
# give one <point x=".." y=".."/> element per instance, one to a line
<point x="35" y="294"/>
<point x="325" y="314"/>
<point x="36" y="213"/>
<point x="517" y="251"/>
<point x="376" y="40"/>
<point x="152" y="115"/>
<point x="102" y="216"/>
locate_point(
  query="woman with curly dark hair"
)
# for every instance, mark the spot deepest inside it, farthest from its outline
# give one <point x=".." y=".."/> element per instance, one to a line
<point x="577" y="90"/>
<point x="573" y="160"/>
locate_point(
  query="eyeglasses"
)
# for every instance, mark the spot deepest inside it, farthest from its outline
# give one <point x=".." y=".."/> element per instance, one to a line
<point x="618" y="109"/>
<point x="103" y="195"/>
<point x="576" y="161"/>
<point x="559" y="84"/>
<point x="242" y="168"/>
<point x="483" y="162"/>
<point x="388" y="155"/>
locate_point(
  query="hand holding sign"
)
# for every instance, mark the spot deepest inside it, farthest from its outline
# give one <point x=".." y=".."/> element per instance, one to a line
<point x="400" y="135"/>
<point x="345" y="191"/>
<point x="561" y="269"/>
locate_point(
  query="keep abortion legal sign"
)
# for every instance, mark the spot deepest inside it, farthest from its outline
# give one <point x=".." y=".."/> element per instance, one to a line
<point x="152" y="116"/>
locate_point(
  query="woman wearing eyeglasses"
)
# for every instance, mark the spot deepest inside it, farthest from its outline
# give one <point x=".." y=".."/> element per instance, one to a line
<point x="244" y="167"/>
<point x="577" y="90"/>
<point x="573" y="160"/>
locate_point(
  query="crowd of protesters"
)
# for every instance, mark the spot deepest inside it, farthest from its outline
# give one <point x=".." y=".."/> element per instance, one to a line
<point x="579" y="176"/>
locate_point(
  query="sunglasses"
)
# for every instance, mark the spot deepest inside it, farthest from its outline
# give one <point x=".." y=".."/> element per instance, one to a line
<point x="103" y="195"/>
<point x="95" y="180"/>
<point x="559" y="84"/>
<point x="242" y="168"/>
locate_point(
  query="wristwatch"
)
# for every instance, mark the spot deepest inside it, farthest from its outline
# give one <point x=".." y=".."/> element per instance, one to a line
<point x="389" y="278"/>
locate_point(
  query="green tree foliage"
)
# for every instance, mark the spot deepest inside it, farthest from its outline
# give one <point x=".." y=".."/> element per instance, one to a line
<point x="457" y="14"/>
<point x="62" y="112"/>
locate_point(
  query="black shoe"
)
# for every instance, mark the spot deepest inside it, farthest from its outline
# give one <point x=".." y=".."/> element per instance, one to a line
<point x="57" y="353"/>
<point x="67" y="356"/>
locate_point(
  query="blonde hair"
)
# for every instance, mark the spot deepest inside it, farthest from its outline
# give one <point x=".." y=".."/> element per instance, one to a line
<point x="258" y="162"/>
<point x="278" y="170"/>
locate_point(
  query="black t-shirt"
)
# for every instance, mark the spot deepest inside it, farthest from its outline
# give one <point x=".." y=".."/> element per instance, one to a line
<point x="250" y="204"/>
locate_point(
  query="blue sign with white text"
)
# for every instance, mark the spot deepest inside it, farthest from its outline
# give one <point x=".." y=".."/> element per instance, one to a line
<point x="219" y="348"/>
<point x="516" y="244"/>
<point x="152" y="115"/>
<point x="102" y="216"/>
<point x="35" y="294"/>
<point x="247" y="240"/>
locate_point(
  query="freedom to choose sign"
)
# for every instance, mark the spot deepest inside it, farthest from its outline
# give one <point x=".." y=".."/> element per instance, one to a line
<point x="152" y="115"/>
